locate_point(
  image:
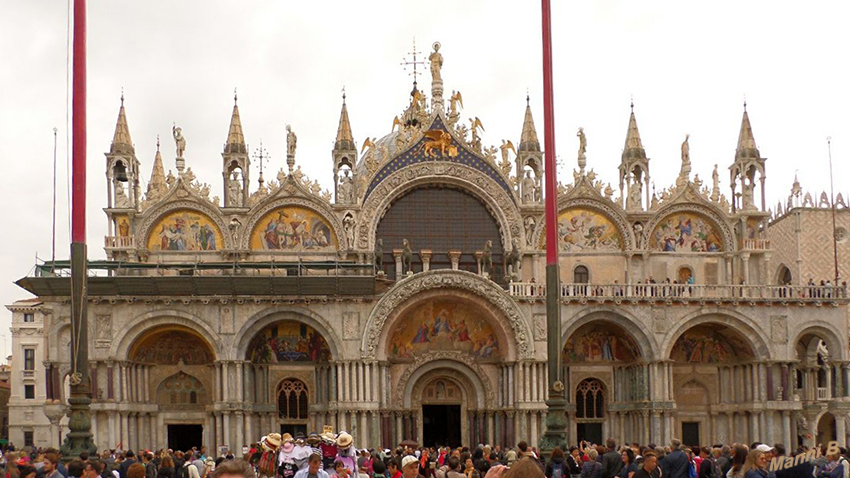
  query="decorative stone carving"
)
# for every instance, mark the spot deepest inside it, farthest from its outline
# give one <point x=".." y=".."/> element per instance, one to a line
<point x="350" y="325"/>
<point x="500" y="203"/>
<point x="779" y="329"/>
<point x="349" y="224"/>
<point x="439" y="279"/>
<point x="539" y="326"/>
<point x="103" y="331"/>
<point x="468" y="360"/>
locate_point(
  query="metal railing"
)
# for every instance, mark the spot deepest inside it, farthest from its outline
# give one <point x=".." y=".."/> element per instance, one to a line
<point x="119" y="242"/>
<point x="530" y="290"/>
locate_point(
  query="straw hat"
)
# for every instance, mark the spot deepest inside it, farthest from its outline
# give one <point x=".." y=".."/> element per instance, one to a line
<point x="344" y="440"/>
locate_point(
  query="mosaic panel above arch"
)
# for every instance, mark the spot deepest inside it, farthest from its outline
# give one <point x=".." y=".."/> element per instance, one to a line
<point x="583" y="229"/>
<point x="710" y="344"/>
<point x="288" y="341"/>
<point x="293" y="229"/>
<point x="171" y="346"/>
<point x="686" y="231"/>
<point x="601" y="342"/>
<point x="184" y="230"/>
<point x="439" y="324"/>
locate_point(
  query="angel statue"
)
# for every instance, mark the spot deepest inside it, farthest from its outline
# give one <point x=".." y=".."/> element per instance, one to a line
<point x="179" y="140"/>
<point x="436" y="60"/>
<point x="505" y="147"/>
<point x="476" y="140"/>
<point x="397" y="122"/>
<point x="454" y="101"/>
<point x="582" y="149"/>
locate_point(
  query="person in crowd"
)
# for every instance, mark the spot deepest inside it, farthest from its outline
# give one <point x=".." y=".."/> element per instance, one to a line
<point x="469" y="467"/>
<point x="410" y="467"/>
<point x="756" y="464"/>
<point x="612" y="462"/>
<point x="724" y="461"/>
<point x="525" y="468"/>
<point x="557" y="468"/>
<point x="453" y="467"/>
<point x="379" y="470"/>
<point x="837" y="467"/>
<point x="707" y="465"/>
<point x="804" y="469"/>
<point x="675" y="463"/>
<point x="392" y="469"/>
<point x="629" y="467"/>
<point x="236" y="469"/>
<point x="93" y="469"/>
<point x="51" y="465"/>
<point x="340" y="470"/>
<point x="129" y="460"/>
<point x="26" y="471"/>
<point x="649" y="467"/>
<point x="591" y="468"/>
<point x="166" y="468"/>
<point x="136" y="470"/>
<point x="574" y="462"/>
<point x="739" y="458"/>
<point x="313" y="469"/>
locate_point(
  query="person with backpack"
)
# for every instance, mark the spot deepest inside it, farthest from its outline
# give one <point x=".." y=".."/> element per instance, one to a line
<point x="708" y="467"/>
<point x="557" y="468"/>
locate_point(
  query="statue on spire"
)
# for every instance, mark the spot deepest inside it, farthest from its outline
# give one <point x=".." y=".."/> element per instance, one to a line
<point x="582" y="149"/>
<point x="685" y="172"/>
<point x="436" y="60"/>
<point x="179" y="140"/>
<point x="291" y="141"/>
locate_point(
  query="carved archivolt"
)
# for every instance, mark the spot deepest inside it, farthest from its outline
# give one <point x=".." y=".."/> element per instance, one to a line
<point x="500" y="203"/>
<point x="710" y="213"/>
<point x="614" y="215"/>
<point x="442" y="279"/>
<point x="277" y="202"/>
<point x="450" y="355"/>
<point x="154" y="215"/>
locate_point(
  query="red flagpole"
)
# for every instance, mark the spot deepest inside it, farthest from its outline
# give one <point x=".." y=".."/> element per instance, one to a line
<point x="556" y="418"/>
<point x="78" y="125"/>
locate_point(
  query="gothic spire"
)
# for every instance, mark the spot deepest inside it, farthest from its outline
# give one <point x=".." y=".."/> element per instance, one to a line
<point x="746" y="142"/>
<point x="235" y="138"/>
<point x="121" y="142"/>
<point x="633" y="148"/>
<point x="528" y="141"/>
<point x="157" y="185"/>
<point x="344" y="138"/>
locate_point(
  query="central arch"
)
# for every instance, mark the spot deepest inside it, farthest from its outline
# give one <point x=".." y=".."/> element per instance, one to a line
<point x="513" y="329"/>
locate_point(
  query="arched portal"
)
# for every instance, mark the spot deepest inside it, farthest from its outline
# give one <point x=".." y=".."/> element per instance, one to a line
<point x="173" y="365"/>
<point x="590" y="405"/>
<point x="440" y="220"/>
<point x="826" y="428"/>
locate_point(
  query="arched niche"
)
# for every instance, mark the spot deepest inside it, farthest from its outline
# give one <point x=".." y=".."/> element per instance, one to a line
<point x="288" y="341"/>
<point x="686" y="231"/>
<point x="711" y="343"/>
<point x="585" y="229"/>
<point x="293" y="228"/>
<point x="171" y="345"/>
<point x="446" y="323"/>
<point x="601" y="342"/>
<point x="184" y="230"/>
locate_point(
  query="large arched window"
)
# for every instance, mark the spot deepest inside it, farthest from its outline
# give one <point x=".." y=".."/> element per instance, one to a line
<point x="590" y="399"/>
<point x="292" y="400"/>
<point x="440" y="220"/>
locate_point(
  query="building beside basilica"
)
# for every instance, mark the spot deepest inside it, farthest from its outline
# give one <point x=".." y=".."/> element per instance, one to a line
<point x="375" y="308"/>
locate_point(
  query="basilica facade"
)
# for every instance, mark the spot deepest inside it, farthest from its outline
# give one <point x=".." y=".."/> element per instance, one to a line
<point x="409" y="302"/>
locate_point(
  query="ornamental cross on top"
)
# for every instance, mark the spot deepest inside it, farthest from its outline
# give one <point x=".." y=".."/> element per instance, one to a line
<point x="414" y="62"/>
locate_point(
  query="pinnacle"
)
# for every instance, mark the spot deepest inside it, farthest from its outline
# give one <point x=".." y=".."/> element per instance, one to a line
<point x="344" y="138"/>
<point x="746" y="141"/>
<point x="235" y="138"/>
<point x="121" y="142"/>
<point x="528" y="140"/>
<point x="633" y="149"/>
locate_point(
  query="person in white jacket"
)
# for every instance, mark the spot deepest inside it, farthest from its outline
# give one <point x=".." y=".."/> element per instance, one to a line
<point x="314" y="468"/>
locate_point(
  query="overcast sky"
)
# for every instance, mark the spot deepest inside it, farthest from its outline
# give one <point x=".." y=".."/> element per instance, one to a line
<point x="688" y="65"/>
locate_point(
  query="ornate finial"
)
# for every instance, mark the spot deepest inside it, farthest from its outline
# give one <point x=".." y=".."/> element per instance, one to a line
<point x="632" y="103"/>
<point x="745" y="102"/>
<point x="157" y="143"/>
<point x="234" y="96"/>
<point x="261" y="155"/>
<point x="527" y="98"/>
<point x="343" y="94"/>
<point x="405" y="63"/>
<point x="122" y="96"/>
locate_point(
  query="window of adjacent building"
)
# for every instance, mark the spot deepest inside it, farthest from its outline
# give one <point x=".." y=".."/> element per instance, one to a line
<point x="29" y="359"/>
<point x="29" y="317"/>
<point x="28" y="438"/>
<point x="29" y="392"/>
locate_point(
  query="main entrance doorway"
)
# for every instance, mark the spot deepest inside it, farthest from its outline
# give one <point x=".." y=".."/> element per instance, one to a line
<point x="690" y="433"/>
<point x="441" y="425"/>
<point x="184" y="437"/>
<point x="590" y="432"/>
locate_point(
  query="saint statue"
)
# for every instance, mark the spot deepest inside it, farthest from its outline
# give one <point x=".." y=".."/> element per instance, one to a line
<point x="487" y="258"/>
<point x="291" y="141"/>
<point x="124" y="228"/>
<point x="685" y="172"/>
<point x="348" y="224"/>
<point x="179" y="140"/>
<point x="715" y="179"/>
<point x="527" y="188"/>
<point x="529" y="228"/>
<point x="346" y="184"/>
<point x="121" y="199"/>
<point x="234" y="191"/>
<point x="582" y="143"/>
<point x="406" y="257"/>
<point x="379" y="255"/>
<point x="436" y="60"/>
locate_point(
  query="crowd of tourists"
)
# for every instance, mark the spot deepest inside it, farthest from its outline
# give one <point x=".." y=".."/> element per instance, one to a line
<point x="328" y="455"/>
